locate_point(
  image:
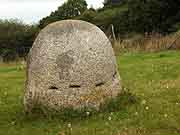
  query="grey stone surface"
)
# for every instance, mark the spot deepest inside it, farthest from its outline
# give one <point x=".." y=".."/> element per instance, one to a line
<point x="71" y="64"/>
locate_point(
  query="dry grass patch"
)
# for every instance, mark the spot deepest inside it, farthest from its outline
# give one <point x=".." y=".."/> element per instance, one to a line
<point x="151" y="43"/>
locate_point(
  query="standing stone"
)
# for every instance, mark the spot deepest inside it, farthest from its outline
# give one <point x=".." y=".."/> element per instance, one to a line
<point x="71" y="64"/>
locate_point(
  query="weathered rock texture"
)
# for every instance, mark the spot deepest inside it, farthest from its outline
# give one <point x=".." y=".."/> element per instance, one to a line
<point x="71" y="64"/>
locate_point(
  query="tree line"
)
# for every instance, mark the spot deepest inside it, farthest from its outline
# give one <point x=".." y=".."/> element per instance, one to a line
<point x="127" y="16"/>
<point x="15" y="39"/>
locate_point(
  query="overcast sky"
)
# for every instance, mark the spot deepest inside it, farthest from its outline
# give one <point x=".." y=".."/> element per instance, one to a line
<point x="31" y="11"/>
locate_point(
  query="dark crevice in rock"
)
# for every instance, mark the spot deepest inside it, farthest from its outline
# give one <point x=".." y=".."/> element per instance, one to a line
<point x="53" y="88"/>
<point x="99" y="84"/>
<point x="114" y="75"/>
<point x="74" y="86"/>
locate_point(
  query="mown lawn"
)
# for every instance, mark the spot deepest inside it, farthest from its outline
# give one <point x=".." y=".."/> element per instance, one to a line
<point x="153" y="78"/>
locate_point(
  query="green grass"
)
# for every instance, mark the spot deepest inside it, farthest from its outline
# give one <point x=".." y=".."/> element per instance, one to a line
<point x="154" y="78"/>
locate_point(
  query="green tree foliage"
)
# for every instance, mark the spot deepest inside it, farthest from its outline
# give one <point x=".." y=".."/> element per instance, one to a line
<point x="103" y="17"/>
<point x="16" y="38"/>
<point x="121" y="22"/>
<point x="88" y="15"/>
<point x="154" y="15"/>
<point x="113" y="3"/>
<point x="69" y="10"/>
<point x="130" y="16"/>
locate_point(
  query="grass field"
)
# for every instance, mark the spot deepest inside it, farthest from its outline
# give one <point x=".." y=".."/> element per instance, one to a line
<point x="153" y="78"/>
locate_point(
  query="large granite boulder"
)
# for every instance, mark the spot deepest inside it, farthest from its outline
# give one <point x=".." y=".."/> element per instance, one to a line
<point x="71" y="64"/>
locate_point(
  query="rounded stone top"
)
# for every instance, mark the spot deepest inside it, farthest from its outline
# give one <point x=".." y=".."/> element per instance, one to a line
<point x="71" y="63"/>
<point x="73" y="51"/>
